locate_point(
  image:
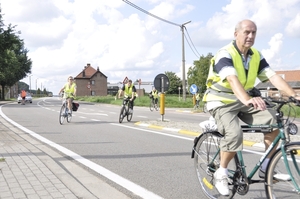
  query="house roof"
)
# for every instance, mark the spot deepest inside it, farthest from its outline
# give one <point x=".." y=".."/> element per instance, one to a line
<point x="292" y="77"/>
<point x="266" y="85"/>
<point x="88" y="72"/>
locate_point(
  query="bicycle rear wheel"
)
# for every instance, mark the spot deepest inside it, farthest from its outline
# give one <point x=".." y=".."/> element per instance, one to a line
<point x="122" y="114"/>
<point x="62" y="114"/>
<point x="207" y="161"/>
<point x="279" y="183"/>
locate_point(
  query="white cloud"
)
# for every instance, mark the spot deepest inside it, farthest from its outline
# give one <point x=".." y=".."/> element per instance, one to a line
<point x="62" y="36"/>
<point x="293" y="27"/>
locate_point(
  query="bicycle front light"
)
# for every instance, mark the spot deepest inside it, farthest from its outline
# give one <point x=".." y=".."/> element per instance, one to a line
<point x="292" y="129"/>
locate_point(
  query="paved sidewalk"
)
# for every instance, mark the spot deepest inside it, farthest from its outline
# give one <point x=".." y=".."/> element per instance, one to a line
<point x="31" y="169"/>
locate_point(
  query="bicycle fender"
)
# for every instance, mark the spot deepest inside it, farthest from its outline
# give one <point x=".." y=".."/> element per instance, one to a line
<point x="216" y="133"/>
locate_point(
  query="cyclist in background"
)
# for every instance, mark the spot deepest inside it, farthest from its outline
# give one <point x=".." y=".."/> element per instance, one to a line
<point x="129" y="91"/>
<point x="23" y="96"/>
<point x="69" y="91"/>
<point x="197" y="99"/>
<point x="154" y="96"/>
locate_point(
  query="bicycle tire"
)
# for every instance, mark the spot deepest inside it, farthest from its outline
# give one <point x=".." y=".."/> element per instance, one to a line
<point x="205" y="108"/>
<point x="151" y="106"/>
<point x="277" y="183"/>
<point x="207" y="161"/>
<point x="157" y="107"/>
<point x="62" y="114"/>
<point x="129" y="116"/>
<point x="122" y="113"/>
<point x="69" y="117"/>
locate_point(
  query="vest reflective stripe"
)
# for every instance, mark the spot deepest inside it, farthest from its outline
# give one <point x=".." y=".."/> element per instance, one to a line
<point x="223" y="91"/>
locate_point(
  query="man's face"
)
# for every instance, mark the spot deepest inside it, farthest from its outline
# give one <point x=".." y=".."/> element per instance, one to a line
<point x="245" y="35"/>
<point x="129" y="83"/>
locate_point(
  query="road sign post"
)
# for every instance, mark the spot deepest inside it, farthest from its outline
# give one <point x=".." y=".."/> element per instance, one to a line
<point x="161" y="83"/>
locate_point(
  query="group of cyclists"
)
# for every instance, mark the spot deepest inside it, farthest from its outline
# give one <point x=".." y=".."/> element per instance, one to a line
<point x="68" y="92"/>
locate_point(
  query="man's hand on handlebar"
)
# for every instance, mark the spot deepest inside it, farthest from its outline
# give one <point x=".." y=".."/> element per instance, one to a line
<point x="257" y="103"/>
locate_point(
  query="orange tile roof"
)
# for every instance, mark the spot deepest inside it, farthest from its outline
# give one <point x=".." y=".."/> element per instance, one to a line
<point x="89" y="72"/>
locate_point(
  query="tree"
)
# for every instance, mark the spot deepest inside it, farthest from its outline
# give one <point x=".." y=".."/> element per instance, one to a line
<point x="198" y="73"/>
<point x="174" y="81"/>
<point x="14" y="63"/>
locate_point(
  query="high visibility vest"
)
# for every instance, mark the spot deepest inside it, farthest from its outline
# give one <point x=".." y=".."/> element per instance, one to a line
<point x="218" y="90"/>
<point x="155" y="94"/>
<point x="128" y="90"/>
<point x="69" y="89"/>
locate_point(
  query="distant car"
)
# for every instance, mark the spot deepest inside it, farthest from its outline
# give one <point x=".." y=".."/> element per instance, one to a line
<point x="28" y="98"/>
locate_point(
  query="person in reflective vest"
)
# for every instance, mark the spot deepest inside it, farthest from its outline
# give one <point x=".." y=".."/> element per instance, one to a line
<point x="69" y="90"/>
<point x="231" y="77"/>
<point x="129" y="91"/>
<point x="154" y="96"/>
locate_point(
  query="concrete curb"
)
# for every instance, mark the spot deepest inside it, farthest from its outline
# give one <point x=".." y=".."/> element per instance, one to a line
<point x="187" y="132"/>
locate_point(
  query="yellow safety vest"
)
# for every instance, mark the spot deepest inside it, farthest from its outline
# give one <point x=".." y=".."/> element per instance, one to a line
<point x="69" y="89"/>
<point x="218" y="90"/>
<point x="155" y="94"/>
<point x="128" y="91"/>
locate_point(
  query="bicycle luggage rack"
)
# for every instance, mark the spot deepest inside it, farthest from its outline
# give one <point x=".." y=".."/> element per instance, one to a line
<point x="256" y="129"/>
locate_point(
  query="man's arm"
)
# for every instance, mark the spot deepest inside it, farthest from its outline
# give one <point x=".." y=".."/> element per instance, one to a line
<point x="242" y="95"/>
<point x="282" y="85"/>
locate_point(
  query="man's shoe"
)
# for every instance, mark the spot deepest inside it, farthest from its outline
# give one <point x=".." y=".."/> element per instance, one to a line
<point x="277" y="176"/>
<point x="221" y="183"/>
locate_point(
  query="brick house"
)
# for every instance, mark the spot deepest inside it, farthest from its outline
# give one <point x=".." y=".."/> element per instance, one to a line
<point x="91" y="82"/>
<point x="292" y="77"/>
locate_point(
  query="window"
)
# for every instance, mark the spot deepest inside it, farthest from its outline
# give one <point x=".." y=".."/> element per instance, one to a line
<point x="93" y="82"/>
<point x="93" y="93"/>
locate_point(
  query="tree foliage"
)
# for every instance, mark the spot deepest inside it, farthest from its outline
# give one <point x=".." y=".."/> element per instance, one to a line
<point x="14" y="62"/>
<point x="197" y="74"/>
<point x="175" y="82"/>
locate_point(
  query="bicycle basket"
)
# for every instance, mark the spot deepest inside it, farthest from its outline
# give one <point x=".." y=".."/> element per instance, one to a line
<point x="75" y="106"/>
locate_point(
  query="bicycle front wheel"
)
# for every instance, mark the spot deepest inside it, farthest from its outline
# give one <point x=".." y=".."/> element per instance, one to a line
<point x="122" y="114"/>
<point x="62" y="114"/>
<point x="207" y="161"/>
<point x="279" y="184"/>
<point x="69" y="117"/>
<point x="151" y="106"/>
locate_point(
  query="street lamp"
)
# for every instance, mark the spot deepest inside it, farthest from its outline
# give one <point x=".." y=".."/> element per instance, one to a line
<point x="30" y="83"/>
<point x="179" y="92"/>
<point x="183" y="63"/>
<point x="36" y="86"/>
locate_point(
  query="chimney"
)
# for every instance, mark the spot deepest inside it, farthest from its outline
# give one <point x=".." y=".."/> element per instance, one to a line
<point x="83" y="73"/>
<point x="98" y="68"/>
<point x="88" y="64"/>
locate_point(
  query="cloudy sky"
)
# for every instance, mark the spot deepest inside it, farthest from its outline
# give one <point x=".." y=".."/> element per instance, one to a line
<point x="62" y="36"/>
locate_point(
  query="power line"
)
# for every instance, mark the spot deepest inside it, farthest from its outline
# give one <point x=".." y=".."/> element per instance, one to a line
<point x="148" y="13"/>
<point x="198" y="54"/>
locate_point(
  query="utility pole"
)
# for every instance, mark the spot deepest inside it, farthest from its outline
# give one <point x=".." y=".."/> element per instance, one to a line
<point x="183" y="63"/>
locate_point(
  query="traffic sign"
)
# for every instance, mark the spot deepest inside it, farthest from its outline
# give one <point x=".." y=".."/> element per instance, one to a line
<point x="193" y="89"/>
<point x="161" y="83"/>
<point x="125" y="80"/>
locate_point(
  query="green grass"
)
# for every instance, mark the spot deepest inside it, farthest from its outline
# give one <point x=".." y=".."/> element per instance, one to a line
<point x="171" y="101"/>
<point x="2" y="159"/>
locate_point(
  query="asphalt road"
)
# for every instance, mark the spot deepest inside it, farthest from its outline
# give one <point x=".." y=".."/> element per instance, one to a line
<point x="134" y="159"/>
